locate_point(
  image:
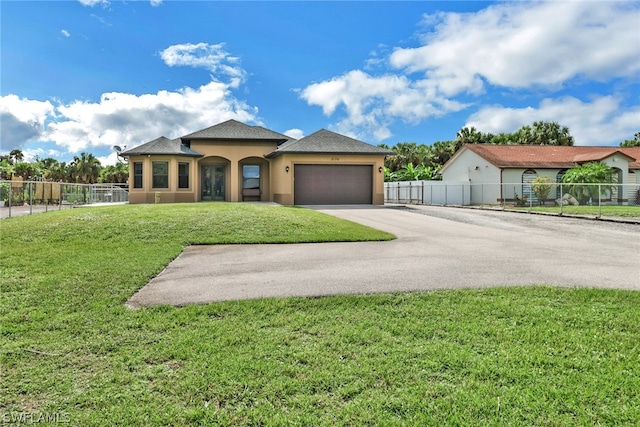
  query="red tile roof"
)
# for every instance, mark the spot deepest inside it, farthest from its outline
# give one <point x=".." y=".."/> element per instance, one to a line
<point x="548" y="156"/>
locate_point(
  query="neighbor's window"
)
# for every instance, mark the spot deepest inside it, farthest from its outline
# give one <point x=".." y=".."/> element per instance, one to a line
<point x="183" y="175"/>
<point x="251" y="176"/>
<point x="137" y="175"/>
<point x="160" y="174"/>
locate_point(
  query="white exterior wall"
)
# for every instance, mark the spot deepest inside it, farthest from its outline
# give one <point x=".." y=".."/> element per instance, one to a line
<point x="470" y="167"/>
<point x="619" y="162"/>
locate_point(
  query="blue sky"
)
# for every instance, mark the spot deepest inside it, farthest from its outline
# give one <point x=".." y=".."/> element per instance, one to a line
<point x="86" y="75"/>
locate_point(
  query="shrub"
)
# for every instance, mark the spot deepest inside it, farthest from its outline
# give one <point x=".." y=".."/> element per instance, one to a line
<point x="588" y="175"/>
<point x="541" y="187"/>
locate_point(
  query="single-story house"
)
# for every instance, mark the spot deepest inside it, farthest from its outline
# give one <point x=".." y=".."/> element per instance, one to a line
<point x="233" y="162"/>
<point x="502" y="172"/>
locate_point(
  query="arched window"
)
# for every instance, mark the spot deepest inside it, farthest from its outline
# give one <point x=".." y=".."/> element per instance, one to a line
<point x="559" y="176"/>
<point x="527" y="178"/>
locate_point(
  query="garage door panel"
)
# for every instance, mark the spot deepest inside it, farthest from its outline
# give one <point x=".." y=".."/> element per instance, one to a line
<point x="333" y="184"/>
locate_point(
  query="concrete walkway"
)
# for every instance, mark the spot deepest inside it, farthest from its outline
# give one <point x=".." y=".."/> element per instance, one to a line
<point x="436" y="248"/>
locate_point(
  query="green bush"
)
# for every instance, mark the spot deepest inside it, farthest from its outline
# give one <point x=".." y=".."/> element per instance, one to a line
<point x="541" y="187"/>
<point x="590" y="174"/>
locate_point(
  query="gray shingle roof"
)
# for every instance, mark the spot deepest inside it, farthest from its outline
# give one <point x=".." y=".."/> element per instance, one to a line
<point x="324" y="141"/>
<point x="162" y="145"/>
<point x="232" y="129"/>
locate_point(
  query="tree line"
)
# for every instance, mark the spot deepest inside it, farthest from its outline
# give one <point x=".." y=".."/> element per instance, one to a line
<point x="410" y="162"/>
<point x="413" y="161"/>
<point x="85" y="168"/>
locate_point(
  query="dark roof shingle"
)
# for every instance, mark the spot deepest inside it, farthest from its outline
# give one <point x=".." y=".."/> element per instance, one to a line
<point x="324" y="141"/>
<point x="233" y="129"/>
<point x="162" y="145"/>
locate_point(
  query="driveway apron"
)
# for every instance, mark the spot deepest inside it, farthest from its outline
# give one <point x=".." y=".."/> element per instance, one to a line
<point x="436" y="248"/>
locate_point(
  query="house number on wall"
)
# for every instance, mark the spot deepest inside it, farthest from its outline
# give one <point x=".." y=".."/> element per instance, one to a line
<point x="335" y="158"/>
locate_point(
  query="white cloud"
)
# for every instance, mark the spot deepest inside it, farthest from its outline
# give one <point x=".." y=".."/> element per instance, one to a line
<point x="127" y="119"/>
<point x="601" y="122"/>
<point x="65" y="33"/>
<point x="26" y="110"/>
<point x="108" y="160"/>
<point x="22" y="120"/>
<point x="523" y="44"/>
<point x="372" y="102"/>
<point x="294" y="133"/>
<point x="92" y="3"/>
<point x="120" y="118"/>
<point x="203" y="55"/>
<point x="156" y="3"/>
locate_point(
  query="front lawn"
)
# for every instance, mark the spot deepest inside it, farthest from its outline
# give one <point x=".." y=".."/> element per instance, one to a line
<point x="505" y="356"/>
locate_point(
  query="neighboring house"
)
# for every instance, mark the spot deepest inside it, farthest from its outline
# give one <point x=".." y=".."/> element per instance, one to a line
<point x="514" y="167"/>
<point x="233" y="162"/>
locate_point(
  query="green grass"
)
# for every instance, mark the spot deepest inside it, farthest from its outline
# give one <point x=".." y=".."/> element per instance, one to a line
<point x="505" y="356"/>
<point x="611" y="211"/>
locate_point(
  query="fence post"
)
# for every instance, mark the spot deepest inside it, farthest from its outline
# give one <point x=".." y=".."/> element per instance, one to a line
<point x="431" y="195"/>
<point x="30" y="198"/>
<point x="600" y="201"/>
<point x="446" y="195"/>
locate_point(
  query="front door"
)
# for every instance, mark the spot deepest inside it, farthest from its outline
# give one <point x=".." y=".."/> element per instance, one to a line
<point x="212" y="185"/>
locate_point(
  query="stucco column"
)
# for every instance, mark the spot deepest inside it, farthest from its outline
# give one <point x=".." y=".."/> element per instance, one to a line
<point x="234" y="178"/>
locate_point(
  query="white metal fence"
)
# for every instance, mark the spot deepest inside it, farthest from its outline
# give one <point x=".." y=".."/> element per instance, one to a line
<point x="517" y="195"/>
<point x="26" y="197"/>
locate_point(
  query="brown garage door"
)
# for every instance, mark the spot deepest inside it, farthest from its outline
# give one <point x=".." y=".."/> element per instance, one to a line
<point x="332" y="184"/>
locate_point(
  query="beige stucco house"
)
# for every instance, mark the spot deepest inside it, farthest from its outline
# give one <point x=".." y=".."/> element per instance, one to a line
<point x="500" y="172"/>
<point x="235" y="162"/>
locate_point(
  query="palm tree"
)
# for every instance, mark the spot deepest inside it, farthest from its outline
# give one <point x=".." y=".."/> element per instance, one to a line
<point x="86" y="168"/>
<point x="116" y="174"/>
<point x="442" y="151"/>
<point x="551" y="133"/>
<point x="17" y="155"/>
<point x="58" y="171"/>
<point x="635" y="142"/>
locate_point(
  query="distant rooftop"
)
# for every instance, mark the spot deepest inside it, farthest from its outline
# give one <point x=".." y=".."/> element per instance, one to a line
<point x="550" y="156"/>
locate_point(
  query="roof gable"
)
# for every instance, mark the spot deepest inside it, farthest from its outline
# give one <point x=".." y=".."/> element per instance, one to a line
<point x="325" y="141"/>
<point x="235" y="130"/>
<point x="161" y="146"/>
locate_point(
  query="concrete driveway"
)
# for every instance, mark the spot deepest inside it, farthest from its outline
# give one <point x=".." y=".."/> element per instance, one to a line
<point x="436" y="248"/>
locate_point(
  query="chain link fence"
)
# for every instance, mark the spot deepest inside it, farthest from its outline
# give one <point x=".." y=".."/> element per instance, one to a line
<point x="18" y="197"/>
<point x="546" y="197"/>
